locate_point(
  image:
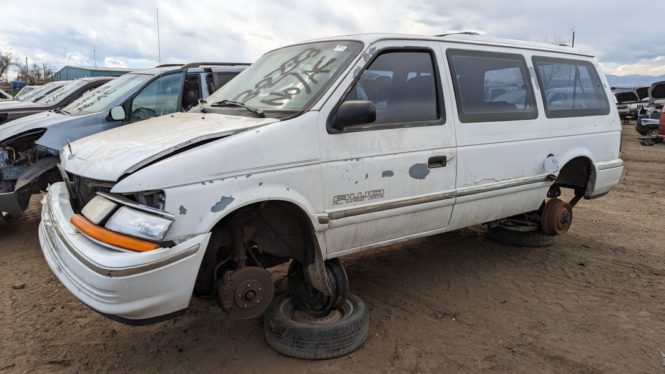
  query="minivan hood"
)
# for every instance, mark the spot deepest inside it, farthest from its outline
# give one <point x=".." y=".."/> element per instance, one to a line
<point x="108" y="155"/>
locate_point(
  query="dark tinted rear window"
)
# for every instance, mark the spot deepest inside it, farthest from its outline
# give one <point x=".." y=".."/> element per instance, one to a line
<point x="570" y="88"/>
<point x="491" y="86"/>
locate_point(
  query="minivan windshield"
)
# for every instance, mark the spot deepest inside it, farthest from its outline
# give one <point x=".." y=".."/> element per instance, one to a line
<point x="105" y="95"/>
<point x="290" y="78"/>
<point x="61" y="93"/>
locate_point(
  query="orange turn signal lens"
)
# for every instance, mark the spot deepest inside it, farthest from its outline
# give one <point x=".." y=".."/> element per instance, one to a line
<point x="109" y="237"/>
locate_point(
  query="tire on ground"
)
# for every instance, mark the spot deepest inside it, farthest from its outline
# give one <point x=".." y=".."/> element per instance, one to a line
<point x="316" y="341"/>
<point x="519" y="238"/>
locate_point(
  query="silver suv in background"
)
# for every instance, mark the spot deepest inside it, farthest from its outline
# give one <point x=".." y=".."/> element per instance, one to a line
<point x="29" y="147"/>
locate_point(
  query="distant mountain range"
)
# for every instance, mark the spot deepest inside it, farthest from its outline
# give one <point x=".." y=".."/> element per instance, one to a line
<point x="633" y="80"/>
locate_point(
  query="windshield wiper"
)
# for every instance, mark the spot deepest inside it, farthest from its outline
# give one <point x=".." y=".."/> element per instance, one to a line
<point x="259" y="113"/>
<point x="61" y="111"/>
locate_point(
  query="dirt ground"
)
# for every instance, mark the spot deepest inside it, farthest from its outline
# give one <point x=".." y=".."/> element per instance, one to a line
<point x="456" y="302"/>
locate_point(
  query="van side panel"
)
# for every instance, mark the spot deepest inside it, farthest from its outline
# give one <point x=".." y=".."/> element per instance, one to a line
<point x="501" y="168"/>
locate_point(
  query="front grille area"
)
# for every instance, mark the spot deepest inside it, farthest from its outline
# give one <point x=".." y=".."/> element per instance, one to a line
<point x="84" y="189"/>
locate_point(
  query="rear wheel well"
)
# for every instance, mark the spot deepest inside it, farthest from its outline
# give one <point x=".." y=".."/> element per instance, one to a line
<point x="578" y="174"/>
<point x="273" y="232"/>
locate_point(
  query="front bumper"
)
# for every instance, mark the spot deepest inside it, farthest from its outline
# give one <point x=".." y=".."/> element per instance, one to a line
<point x="130" y="287"/>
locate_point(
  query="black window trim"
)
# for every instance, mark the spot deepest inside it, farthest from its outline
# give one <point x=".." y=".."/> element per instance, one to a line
<point x="568" y="113"/>
<point x="441" y="120"/>
<point x="491" y="117"/>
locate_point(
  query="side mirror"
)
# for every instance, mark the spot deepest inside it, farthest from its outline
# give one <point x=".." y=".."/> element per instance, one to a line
<point x="354" y="112"/>
<point x="118" y="113"/>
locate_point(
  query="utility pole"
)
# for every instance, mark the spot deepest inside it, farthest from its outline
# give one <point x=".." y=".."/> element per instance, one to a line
<point x="27" y="71"/>
<point x="94" y="56"/>
<point x="573" y="42"/>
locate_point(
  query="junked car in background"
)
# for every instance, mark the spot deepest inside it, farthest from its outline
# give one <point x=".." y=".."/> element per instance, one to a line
<point x="55" y="100"/>
<point x="324" y="149"/>
<point x="24" y="92"/>
<point x="626" y="101"/>
<point x="649" y="115"/>
<point x="29" y="146"/>
<point x="35" y="94"/>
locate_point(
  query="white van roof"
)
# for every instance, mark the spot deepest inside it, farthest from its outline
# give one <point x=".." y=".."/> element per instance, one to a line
<point x="464" y="38"/>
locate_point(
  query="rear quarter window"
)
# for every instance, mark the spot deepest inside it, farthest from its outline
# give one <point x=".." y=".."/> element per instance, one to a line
<point x="570" y="88"/>
<point x="491" y="86"/>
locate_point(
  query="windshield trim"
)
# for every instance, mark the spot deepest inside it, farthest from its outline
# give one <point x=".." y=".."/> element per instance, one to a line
<point x="326" y="88"/>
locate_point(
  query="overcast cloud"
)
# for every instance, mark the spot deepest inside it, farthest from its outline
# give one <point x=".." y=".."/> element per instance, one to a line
<point x="123" y="33"/>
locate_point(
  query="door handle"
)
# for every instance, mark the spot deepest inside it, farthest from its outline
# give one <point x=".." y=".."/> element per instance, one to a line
<point x="437" y="162"/>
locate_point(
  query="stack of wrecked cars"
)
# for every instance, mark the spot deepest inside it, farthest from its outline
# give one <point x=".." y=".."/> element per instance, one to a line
<point x="30" y="146"/>
<point x="57" y="99"/>
<point x="318" y="150"/>
<point x="648" y="117"/>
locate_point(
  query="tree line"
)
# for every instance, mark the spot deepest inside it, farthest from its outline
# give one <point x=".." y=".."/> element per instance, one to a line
<point x="31" y="74"/>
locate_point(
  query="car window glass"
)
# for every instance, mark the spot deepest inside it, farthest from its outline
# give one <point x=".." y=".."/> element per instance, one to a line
<point x="191" y="92"/>
<point x="157" y="98"/>
<point x="290" y="78"/>
<point x="491" y="86"/>
<point x="570" y="88"/>
<point x="215" y="80"/>
<point x="402" y="87"/>
<point x="64" y="91"/>
<point x="107" y="94"/>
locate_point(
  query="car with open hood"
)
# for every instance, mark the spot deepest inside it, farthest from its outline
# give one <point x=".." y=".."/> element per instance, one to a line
<point x="648" y="116"/>
<point x="320" y="150"/>
<point x="29" y="146"/>
<point x="59" y="98"/>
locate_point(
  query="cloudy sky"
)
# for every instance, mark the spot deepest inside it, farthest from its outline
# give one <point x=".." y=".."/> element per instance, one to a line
<point x="627" y="40"/>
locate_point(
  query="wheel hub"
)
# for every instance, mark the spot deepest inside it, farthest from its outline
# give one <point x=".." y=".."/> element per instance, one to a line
<point x="245" y="293"/>
<point x="556" y="218"/>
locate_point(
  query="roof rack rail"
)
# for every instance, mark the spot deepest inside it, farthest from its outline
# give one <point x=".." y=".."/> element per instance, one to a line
<point x="460" y="33"/>
<point x="167" y="65"/>
<point x="198" y="64"/>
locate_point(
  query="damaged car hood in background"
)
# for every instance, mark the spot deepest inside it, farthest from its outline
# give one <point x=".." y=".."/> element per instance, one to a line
<point x="21" y="125"/>
<point x="109" y="155"/>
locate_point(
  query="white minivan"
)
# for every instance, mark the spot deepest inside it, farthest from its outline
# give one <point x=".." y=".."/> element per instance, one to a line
<point x="319" y="150"/>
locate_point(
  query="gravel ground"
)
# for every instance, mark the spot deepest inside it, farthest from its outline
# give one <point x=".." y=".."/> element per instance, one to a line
<point x="456" y="302"/>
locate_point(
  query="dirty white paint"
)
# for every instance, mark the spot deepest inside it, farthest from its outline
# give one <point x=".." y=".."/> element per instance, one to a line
<point x="359" y="189"/>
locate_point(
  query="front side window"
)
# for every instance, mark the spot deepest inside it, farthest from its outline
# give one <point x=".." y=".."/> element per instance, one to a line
<point x="491" y="86"/>
<point x="570" y="88"/>
<point x="157" y="98"/>
<point x="402" y="86"/>
<point x="290" y="78"/>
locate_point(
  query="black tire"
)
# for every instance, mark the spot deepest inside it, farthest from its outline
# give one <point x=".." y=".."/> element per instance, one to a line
<point x="532" y="239"/>
<point x="313" y="341"/>
<point x="307" y="299"/>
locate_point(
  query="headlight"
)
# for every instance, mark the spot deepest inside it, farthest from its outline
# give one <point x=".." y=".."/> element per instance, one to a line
<point x="97" y="209"/>
<point x="138" y="224"/>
